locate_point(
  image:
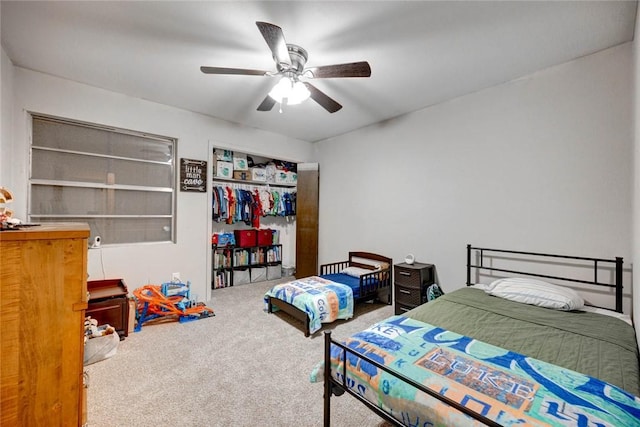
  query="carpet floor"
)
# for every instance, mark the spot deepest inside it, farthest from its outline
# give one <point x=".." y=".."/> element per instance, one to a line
<point x="242" y="367"/>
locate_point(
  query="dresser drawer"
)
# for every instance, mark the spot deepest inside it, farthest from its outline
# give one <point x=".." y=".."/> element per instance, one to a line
<point x="408" y="277"/>
<point x="401" y="308"/>
<point x="408" y="295"/>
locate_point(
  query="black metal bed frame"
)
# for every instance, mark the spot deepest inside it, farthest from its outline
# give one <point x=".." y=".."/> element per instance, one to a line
<point x="333" y="386"/>
<point x="617" y="262"/>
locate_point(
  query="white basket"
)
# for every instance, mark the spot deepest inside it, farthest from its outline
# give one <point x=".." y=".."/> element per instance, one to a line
<point x="274" y="272"/>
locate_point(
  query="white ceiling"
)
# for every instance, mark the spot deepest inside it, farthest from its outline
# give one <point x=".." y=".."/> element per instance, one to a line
<point x="421" y="52"/>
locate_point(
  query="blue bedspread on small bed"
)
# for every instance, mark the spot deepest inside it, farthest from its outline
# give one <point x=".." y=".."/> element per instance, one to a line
<point x="352" y="281"/>
<point x="345" y="279"/>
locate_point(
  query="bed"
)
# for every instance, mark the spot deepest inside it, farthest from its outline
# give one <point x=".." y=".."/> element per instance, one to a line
<point x="471" y="358"/>
<point x="331" y="295"/>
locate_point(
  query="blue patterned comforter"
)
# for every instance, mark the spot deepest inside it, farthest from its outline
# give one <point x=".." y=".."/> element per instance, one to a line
<point x="502" y="385"/>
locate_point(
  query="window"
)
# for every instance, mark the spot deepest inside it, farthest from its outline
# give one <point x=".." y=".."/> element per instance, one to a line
<point x="120" y="182"/>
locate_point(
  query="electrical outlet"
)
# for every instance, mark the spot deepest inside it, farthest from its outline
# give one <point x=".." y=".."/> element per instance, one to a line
<point x="175" y="277"/>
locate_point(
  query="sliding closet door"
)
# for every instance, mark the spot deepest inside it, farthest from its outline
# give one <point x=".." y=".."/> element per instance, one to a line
<point x="307" y="219"/>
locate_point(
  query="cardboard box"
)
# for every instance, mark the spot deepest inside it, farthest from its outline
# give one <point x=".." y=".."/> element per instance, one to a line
<point x="281" y="177"/>
<point x="258" y="174"/>
<point x="224" y="169"/>
<point x="242" y="175"/>
<point x="240" y="162"/>
<point x="270" y="172"/>
<point x="224" y="155"/>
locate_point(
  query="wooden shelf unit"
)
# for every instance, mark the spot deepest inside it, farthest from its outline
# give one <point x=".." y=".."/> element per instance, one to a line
<point x="230" y="260"/>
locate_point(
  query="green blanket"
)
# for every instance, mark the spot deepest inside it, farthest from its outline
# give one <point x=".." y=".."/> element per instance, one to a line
<point x="599" y="346"/>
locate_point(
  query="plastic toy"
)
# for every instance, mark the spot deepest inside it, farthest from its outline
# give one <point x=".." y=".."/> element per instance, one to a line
<point x="168" y="301"/>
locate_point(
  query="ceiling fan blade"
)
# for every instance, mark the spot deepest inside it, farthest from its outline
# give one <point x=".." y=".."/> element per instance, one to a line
<point x="322" y="98"/>
<point x="224" y="70"/>
<point x="267" y="104"/>
<point x="274" y="37"/>
<point x="354" y="69"/>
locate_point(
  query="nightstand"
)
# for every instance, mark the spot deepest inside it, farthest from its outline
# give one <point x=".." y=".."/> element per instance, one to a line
<point x="410" y="284"/>
<point x="109" y="304"/>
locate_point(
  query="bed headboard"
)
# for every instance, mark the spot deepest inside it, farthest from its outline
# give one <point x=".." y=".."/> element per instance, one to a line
<point x="542" y="257"/>
<point x="368" y="256"/>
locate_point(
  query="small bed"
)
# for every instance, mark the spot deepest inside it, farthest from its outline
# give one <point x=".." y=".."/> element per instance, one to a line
<point x="471" y="358"/>
<point x="331" y="295"/>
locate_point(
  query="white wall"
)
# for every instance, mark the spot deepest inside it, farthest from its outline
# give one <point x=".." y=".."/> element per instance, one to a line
<point x="6" y="102"/>
<point x="151" y="263"/>
<point x="636" y="164"/>
<point x="542" y="163"/>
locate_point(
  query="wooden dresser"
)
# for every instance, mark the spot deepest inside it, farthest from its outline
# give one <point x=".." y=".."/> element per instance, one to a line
<point x="43" y="297"/>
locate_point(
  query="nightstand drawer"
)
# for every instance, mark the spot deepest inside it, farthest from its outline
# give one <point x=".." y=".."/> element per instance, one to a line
<point x="401" y="308"/>
<point x="408" y="296"/>
<point x="408" y="277"/>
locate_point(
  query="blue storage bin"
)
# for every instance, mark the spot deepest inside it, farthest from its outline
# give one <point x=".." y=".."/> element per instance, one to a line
<point x="225" y="239"/>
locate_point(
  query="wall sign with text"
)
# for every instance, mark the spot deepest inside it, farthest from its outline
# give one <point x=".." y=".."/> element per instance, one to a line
<point x="193" y="175"/>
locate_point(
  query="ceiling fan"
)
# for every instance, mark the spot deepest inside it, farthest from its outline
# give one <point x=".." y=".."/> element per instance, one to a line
<point x="290" y="60"/>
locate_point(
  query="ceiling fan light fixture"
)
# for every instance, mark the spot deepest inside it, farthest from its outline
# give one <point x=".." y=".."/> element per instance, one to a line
<point x="295" y="92"/>
<point x="290" y="62"/>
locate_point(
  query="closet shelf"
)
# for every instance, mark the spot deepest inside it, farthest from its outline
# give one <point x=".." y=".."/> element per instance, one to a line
<point x="261" y="183"/>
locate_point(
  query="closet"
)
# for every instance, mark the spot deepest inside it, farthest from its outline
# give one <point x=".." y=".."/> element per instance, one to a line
<point x="254" y="203"/>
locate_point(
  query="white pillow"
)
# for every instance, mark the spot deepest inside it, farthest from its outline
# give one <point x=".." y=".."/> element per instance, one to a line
<point x="356" y="271"/>
<point x="536" y="292"/>
<point x="605" y="312"/>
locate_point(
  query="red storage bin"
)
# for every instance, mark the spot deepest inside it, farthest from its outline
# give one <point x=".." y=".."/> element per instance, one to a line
<point x="265" y="237"/>
<point x="246" y="238"/>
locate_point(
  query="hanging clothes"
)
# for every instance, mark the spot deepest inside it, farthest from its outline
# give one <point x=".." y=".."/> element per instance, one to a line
<point x="256" y="211"/>
<point x="232" y="205"/>
<point x="266" y="201"/>
<point x="215" y="208"/>
<point x="288" y="206"/>
<point x="276" y="202"/>
<point x="236" y="203"/>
